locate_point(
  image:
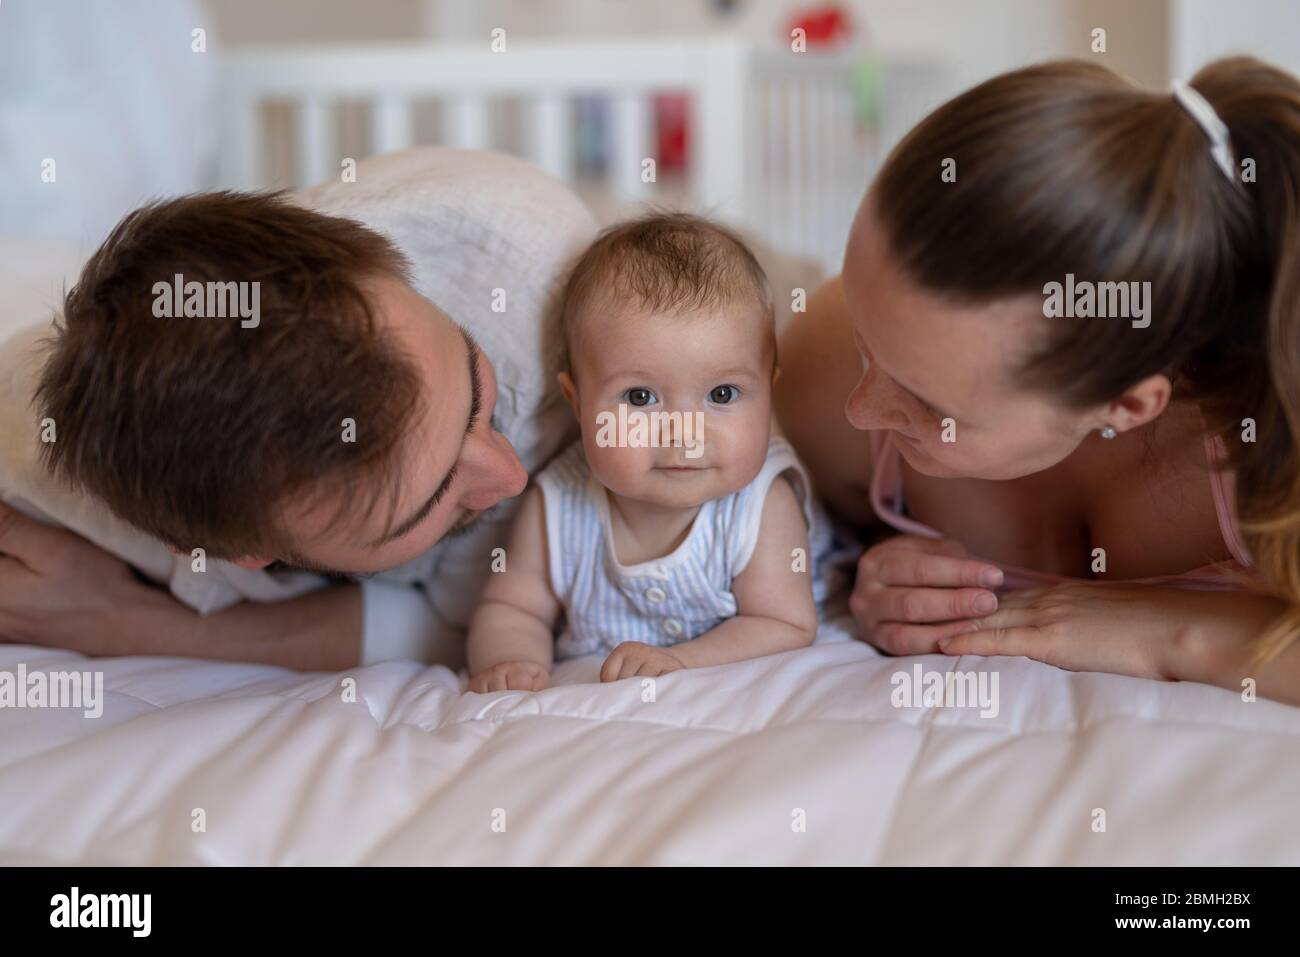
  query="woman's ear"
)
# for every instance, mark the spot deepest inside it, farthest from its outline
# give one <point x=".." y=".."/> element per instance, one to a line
<point x="569" y="389"/>
<point x="1140" y="404"/>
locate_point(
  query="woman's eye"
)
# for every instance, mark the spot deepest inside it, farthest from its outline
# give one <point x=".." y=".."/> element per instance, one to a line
<point x="724" y="394"/>
<point x="639" y="396"/>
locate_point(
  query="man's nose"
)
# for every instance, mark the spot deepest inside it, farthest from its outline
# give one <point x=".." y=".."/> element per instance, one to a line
<point x="493" y="471"/>
<point x="869" y="406"/>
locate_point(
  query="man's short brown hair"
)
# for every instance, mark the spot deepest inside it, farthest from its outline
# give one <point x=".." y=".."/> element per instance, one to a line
<point x="667" y="262"/>
<point x="196" y="429"/>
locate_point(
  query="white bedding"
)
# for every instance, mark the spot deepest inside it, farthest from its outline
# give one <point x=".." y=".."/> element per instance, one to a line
<point x="716" y="770"/>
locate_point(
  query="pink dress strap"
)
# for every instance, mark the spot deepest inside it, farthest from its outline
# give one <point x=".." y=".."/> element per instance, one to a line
<point x="1223" y="484"/>
<point x="887" y="502"/>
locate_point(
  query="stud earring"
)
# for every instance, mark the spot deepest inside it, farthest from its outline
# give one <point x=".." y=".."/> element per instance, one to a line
<point x="1108" y="432"/>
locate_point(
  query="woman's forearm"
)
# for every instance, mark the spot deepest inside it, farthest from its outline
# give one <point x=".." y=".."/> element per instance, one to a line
<point x="1217" y="647"/>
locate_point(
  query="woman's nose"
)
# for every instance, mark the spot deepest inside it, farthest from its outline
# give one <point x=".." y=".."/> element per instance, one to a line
<point x="493" y="471"/>
<point x="870" y="407"/>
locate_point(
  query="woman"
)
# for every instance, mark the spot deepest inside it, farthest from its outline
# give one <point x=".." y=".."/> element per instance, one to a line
<point x="1089" y="463"/>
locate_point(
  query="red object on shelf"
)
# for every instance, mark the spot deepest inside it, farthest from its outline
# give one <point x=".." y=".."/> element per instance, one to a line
<point x="823" y="26"/>
<point x="670" y="125"/>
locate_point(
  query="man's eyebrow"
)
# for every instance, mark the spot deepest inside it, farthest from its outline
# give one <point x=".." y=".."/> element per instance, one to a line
<point x="475" y="407"/>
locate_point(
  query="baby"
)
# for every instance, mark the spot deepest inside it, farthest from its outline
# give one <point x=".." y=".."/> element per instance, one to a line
<point x="676" y="534"/>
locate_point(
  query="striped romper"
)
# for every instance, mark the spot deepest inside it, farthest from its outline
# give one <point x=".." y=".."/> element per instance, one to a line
<point x="666" y="600"/>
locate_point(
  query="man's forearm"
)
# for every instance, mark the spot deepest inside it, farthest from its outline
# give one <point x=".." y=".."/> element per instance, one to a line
<point x="319" y="631"/>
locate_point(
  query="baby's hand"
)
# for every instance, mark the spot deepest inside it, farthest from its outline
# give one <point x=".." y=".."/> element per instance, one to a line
<point x="636" y="659"/>
<point x="511" y="676"/>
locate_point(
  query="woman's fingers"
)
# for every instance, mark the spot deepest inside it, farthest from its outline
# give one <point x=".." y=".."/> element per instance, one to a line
<point x="1025" y="640"/>
<point x="899" y="638"/>
<point x="930" y="604"/>
<point x="911" y="567"/>
<point x="930" y="546"/>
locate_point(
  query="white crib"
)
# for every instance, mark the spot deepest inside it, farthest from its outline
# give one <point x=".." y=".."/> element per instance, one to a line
<point x="776" y="145"/>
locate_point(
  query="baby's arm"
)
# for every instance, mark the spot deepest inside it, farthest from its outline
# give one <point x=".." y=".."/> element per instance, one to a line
<point x="511" y="635"/>
<point x="775" y="609"/>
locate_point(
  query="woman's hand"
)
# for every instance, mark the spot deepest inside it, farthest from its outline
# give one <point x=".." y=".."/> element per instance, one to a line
<point x="1146" y="631"/>
<point x="912" y="592"/>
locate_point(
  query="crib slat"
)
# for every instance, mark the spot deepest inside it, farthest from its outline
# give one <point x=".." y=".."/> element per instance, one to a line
<point x="720" y="131"/>
<point x="795" y="167"/>
<point x="772" y="182"/>
<point x="631" y="144"/>
<point x="390" y="124"/>
<point x="244" y="145"/>
<point x="315" y="148"/>
<point x="830" y="237"/>
<point x="551" y="134"/>
<point x="468" y="121"/>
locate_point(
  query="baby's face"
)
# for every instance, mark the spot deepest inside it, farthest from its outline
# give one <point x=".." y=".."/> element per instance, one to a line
<point x="702" y="379"/>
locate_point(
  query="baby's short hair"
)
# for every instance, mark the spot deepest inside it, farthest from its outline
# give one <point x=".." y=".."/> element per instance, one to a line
<point x="666" y="262"/>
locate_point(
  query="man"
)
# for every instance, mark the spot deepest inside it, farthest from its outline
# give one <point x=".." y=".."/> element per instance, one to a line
<point x="377" y="415"/>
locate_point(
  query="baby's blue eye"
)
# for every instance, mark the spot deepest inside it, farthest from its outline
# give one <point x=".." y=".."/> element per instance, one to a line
<point x="639" y="396"/>
<point x="724" y="394"/>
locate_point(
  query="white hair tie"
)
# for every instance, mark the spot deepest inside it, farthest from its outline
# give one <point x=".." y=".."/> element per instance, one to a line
<point x="1198" y="107"/>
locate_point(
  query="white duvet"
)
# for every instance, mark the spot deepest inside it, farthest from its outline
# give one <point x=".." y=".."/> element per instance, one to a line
<point x="799" y="758"/>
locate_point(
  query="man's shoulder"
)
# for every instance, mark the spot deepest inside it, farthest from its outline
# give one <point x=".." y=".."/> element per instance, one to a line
<point x="491" y="239"/>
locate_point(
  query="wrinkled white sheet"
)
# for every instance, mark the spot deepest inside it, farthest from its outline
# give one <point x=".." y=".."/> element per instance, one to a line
<point x="720" y="768"/>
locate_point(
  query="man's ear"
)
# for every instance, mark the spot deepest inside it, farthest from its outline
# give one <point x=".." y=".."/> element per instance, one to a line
<point x="253" y="563"/>
<point x="569" y="389"/>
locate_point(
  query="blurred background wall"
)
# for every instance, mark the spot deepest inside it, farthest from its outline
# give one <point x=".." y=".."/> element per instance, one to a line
<point x="103" y="106"/>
